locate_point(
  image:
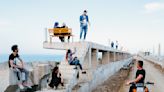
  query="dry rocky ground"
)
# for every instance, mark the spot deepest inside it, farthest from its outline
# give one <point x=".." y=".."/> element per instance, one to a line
<point x="114" y="83"/>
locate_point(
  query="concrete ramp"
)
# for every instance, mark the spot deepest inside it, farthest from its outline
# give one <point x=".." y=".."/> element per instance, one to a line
<point x="98" y="61"/>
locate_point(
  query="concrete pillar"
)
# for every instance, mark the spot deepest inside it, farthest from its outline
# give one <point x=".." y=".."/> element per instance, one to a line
<point x="94" y="58"/>
<point x="121" y="56"/>
<point x="126" y="56"/>
<point x="116" y="56"/>
<point x="159" y="50"/>
<point x="112" y="57"/>
<point x="105" y="57"/>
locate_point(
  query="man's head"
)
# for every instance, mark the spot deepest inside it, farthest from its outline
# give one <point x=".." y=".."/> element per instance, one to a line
<point x="85" y="12"/>
<point x="56" y="24"/>
<point x="69" y="51"/>
<point x="140" y="64"/>
<point x="14" y="48"/>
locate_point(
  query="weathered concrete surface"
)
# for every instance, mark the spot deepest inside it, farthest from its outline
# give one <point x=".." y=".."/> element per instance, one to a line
<point x="101" y="74"/>
<point x="87" y="53"/>
<point x="155" y="60"/>
<point x="113" y="83"/>
<point x="39" y="72"/>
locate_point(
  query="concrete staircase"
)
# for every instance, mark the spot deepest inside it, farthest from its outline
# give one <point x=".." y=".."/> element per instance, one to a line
<point x="69" y="74"/>
<point x="97" y="70"/>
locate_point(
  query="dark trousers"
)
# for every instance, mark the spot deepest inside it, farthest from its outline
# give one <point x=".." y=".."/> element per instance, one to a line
<point x="132" y="87"/>
<point x="55" y="82"/>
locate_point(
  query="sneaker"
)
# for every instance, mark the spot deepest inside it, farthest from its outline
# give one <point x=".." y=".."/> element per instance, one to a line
<point x="21" y="86"/>
<point x="27" y="85"/>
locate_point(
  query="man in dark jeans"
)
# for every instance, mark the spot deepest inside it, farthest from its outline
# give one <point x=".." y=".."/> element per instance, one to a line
<point x="140" y="76"/>
<point x="18" y="69"/>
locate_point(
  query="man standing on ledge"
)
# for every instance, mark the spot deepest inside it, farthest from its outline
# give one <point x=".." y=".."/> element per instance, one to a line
<point x="84" y="21"/>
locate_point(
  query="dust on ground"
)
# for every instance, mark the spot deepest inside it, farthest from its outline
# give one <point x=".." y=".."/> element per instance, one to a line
<point x="114" y="82"/>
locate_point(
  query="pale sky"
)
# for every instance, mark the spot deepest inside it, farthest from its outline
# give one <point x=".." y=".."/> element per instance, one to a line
<point x="136" y="24"/>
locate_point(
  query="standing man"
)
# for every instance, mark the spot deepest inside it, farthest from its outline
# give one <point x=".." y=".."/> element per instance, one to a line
<point x="21" y="72"/>
<point x="116" y="44"/>
<point x="112" y="44"/>
<point x="84" y="21"/>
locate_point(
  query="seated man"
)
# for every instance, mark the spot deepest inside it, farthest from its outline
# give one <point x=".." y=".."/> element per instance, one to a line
<point x="18" y="69"/>
<point x="140" y="76"/>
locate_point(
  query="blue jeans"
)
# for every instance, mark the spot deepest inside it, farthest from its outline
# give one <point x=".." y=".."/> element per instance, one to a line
<point x="26" y="74"/>
<point x="83" y="29"/>
<point x="76" y="62"/>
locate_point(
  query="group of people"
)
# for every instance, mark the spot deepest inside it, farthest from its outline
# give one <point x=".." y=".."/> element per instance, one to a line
<point x="56" y="75"/>
<point x="23" y="74"/>
<point x="56" y="25"/>
<point x="116" y="44"/>
<point x="84" y="22"/>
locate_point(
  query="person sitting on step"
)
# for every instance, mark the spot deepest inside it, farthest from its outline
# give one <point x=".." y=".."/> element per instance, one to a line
<point x="56" y="78"/>
<point x="73" y="61"/>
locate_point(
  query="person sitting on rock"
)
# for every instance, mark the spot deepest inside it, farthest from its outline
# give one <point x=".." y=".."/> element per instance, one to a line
<point x="18" y="69"/>
<point x="56" y="78"/>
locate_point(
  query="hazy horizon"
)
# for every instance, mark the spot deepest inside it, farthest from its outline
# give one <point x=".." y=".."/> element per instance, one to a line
<point x="136" y="24"/>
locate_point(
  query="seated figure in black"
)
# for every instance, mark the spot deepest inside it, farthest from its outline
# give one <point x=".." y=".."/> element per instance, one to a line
<point x="56" y="25"/>
<point x="65" y="26"/>
<point x="56" y="78"/>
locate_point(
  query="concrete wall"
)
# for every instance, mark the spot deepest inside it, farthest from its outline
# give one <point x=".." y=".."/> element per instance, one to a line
<point x="154" y="60"/>
<point x="103" y="73"/>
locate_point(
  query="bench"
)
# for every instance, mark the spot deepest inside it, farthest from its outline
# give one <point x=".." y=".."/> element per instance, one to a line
<point x="60" y="32"/>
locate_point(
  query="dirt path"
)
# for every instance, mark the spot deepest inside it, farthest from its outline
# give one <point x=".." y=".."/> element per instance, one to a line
<point x="152" y="74"/>
<point x="113" y="83"/>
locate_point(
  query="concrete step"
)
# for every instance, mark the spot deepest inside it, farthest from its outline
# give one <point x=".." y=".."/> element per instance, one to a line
<point x="68" y="77"/>
<point x="52" y="90"/>
<point x="68" y="72"/>
<point x="60" y="89"/>
<point x="71" y="67"/>
<point x="64" y="63"/>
